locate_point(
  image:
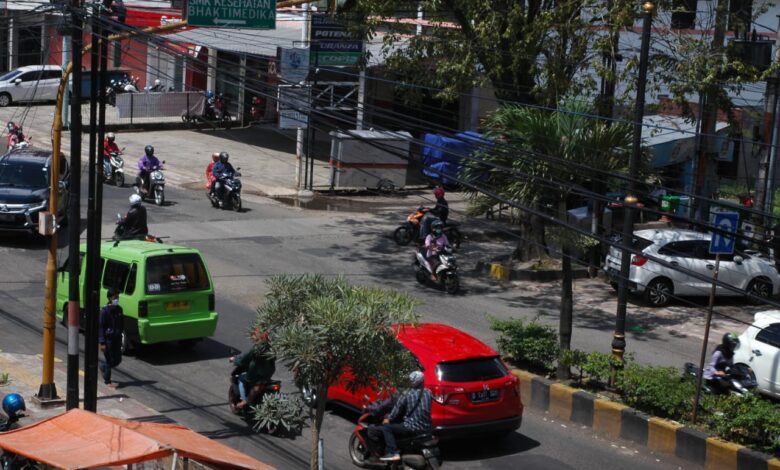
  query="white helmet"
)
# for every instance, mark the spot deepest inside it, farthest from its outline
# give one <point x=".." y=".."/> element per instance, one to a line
<point x="416" y="379"/>
<point x="135" y="200"/>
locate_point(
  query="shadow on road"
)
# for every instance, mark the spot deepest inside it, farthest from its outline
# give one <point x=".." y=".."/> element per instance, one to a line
<point x="173" y="353"/>
<point x="487" y="448"/>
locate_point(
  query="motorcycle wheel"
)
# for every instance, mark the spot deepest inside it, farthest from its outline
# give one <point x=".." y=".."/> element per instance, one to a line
<point x="159" y="196"/>
<point x="213" y="201"/>
<point x="454" y="237"/>
<point x="451" y="283"/>
<point x="119" y="179"/>
<point x="235" y="201"/>
<point x="233" y="398"/>
<point x="358" y="452"/>
<point x="402" y="236"/>
<point x="421" y="275"/>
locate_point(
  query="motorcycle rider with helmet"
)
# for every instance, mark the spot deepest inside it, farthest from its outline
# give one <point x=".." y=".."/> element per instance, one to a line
<point x="442" y="207"/>
<point x="722" y="358"/>
<point x="222" y="169"/>
<point x="145" y="164"/>
<point x="15" y="134"/>
<point x="210" y="179"/>
<point x="411" y="415"/>
<point x="13" y="404"/>
<point x="109" y="147"/>
<point x="254" y="368"/>
<point x="435" y="242"/>
<point x="134" y="222"/>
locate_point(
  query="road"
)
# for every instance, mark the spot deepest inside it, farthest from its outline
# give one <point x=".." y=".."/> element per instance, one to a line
<point x="242" y="250"/>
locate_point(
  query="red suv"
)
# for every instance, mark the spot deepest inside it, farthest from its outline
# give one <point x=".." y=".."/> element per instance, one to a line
<point x="473" y="390"/>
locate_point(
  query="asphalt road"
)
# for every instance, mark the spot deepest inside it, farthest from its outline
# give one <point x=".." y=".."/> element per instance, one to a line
<point x="244" y="249"/>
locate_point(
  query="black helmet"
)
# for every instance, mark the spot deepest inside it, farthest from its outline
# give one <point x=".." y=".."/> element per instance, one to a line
<point x="437" y="227"/>
<point x="223" y="157"/>
<point x="730" y="341"/>
<point x="149" y="150"/>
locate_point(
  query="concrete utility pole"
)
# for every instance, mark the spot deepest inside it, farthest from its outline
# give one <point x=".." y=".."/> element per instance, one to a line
<point x="299" y="133"/>
<point x="766" y="186"/>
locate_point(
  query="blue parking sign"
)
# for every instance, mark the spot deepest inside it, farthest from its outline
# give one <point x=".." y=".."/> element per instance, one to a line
<point x="723" y="239"/>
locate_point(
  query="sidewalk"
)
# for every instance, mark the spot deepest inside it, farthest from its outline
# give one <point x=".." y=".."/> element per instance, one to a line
<point x="24" y="377"/>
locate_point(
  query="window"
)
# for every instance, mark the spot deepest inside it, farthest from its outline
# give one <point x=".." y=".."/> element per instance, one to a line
<point x="9" y="75"/>
<point x="130" y="287"/>
<point x="52" y="75"/>
<point x="175" y="273"/>
<point x="115" y="275"/>
<point x="640" y="243"/>
<point x="684" y="14"/>
<point x="471" y="370"/>
<point x="740" y="15"/>
<point x="30" y="76"/>
<point x="685" y="249"/>
<point x="770" y="335"/>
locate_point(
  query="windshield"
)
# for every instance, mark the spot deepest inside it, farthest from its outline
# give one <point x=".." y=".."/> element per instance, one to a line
<point x="10" y="75"/>
<point x="471" y="370"/>
<point x="15" y="174"/>
<point x="175" y="273"/>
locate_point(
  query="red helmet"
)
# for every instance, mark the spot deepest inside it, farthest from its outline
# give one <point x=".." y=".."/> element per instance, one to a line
<point x="438" y="191"/>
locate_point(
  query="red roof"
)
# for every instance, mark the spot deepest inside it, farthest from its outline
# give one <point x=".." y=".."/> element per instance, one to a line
<point x="436" y="342"/>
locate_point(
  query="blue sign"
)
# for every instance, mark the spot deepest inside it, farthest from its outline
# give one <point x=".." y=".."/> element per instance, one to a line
<point x="723" y="239"/>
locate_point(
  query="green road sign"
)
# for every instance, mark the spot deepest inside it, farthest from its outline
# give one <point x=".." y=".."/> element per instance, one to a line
<point x="336" y="58"/>
<point x="257" y="14"/>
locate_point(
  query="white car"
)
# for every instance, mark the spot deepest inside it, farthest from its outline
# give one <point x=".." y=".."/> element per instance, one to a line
<point x="759" y="348"/>
<point x="30" y="83"/>
<point x="747" y="272"/>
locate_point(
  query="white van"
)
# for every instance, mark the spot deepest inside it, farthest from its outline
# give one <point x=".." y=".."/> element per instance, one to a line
<point x="30" y="83"/>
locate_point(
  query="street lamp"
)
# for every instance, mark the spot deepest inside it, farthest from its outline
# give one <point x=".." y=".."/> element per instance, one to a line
<point x="629" y="202"/>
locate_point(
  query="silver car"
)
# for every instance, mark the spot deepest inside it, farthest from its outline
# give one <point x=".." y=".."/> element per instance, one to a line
<point x="30" y="83"/>
<point x="689" y="250"/>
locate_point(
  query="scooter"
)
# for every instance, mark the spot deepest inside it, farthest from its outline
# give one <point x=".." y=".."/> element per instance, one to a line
<point x="417" y="452"/>
<point x="410" y="230"/>
<point x="741" y="379"/>
<point x="234" y="396"/>
<point x="231" y="194"/>
<point x="155" y="187"/>
<point x="113" y="169"/>
<point x="446" y="271"/>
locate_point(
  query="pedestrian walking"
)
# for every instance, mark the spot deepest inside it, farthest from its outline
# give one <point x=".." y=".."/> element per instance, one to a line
<point x="110" y="336"/>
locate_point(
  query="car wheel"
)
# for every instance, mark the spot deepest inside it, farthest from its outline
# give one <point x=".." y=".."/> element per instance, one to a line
<point x="760" y="287"/>
<point x="5" y="99"/>
<point x="659" y="292"/>
<point x="402" y="235"/>
<point x="358" y="452"/>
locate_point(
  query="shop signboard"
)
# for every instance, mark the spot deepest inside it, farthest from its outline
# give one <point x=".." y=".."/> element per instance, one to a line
<point x="251" y="14"/>
<point x="332" y="44"/>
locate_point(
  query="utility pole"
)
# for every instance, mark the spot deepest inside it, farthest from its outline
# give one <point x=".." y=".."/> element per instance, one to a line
<point x="619" y="337"/>
<point x="74" y="210"/>
<point x="765" y="187"/>
<point x="93" y="241"/>
<point x="706" y="176"/>
<point x="299" y="133"/>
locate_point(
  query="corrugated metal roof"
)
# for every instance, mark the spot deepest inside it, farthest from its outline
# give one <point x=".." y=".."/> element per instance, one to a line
<point x="659" y="129"/>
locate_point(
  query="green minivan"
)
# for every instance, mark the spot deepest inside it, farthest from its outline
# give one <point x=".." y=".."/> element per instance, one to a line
<point x="165" y="291"/>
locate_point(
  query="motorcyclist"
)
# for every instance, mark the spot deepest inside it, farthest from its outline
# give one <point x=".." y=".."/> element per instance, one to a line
<point x="210" y="179"/>
<point x="15" y="134"/>
<point x="109" y="147"/>
<point x="145" y="164"/>
<point x="222" y="169"/>
<point x="411" y="415"/>
<point x="254" y="368"/>
<point x="722" y="358"/>
<point x="435" y="242"/>
<point x="442" y="207"/>
<point x="157" y="87"/>
<point x="134" y="222"/>
<point x="13" y="404"/>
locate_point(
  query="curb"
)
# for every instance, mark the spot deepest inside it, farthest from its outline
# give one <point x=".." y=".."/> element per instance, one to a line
<point x="501" y="272"/>
<point x="660" y="435"/>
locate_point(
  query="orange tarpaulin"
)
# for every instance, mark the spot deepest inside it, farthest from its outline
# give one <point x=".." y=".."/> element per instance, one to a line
<point x="80" y="439"/>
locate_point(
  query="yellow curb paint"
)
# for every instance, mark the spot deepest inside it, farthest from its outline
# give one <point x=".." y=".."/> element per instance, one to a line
<point x="607" y="417"/>
<point x="561" y="401"/>
<point x="662" y="435"/>
<point x="19" y="373"/>
<point x="525" y="384"/>
<point x="721" y="454"/>
<point x="499" y="272"/>
<point x="773" y="464"/>
<point x="56" y="359"/>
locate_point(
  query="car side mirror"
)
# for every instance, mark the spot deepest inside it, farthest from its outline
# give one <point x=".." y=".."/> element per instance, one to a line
<point x="738" y="259"/>
<point x="17" y="81"/>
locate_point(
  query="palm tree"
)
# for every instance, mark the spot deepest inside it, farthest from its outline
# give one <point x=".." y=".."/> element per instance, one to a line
<point x="552" y="154"/>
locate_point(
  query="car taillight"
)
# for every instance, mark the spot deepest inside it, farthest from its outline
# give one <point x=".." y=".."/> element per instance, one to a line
<point x="638" y="260"/>
<point x="276" y="387"/>
<point x="444" y="395"/>
<point x="143" y="309"/>
<point x="212" y="303"/>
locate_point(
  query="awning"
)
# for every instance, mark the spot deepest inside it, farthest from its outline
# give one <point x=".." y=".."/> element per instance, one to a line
<point x="80" y="439"/>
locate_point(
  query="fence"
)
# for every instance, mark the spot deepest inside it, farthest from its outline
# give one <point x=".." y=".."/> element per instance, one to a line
<point x="151" y="108"/>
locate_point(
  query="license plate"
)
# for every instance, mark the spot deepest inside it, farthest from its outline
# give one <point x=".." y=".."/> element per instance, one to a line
<point x="484" y="395"/>
<point x="6" y="217"/>
<point x="173" y="306"/>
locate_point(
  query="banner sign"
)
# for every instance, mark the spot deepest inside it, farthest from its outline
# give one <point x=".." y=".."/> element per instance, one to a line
<point x="332" y="44"/>
<point x="253" y="14"/>
<point x="293" y="64"/>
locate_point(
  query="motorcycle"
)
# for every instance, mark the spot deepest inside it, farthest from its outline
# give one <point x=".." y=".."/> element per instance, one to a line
<point x="257" y="109"/>
<point x="231" y="193"/>
<point x="155" y="187"/>
<point x="215" y="109"/>
<point x="113" y="169"/>
<point x="417" y="452"/>
<point x="410" y="230"/>
<point x="741" y="379"/>
<point x="446" y="271"/>
<point x="120" y="230"/>
<point x="9" y="460"/>
<point x="234" y="396"/>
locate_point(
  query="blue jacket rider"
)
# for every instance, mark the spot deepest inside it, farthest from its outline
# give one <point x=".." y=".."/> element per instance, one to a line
<point x="221" y="170"/>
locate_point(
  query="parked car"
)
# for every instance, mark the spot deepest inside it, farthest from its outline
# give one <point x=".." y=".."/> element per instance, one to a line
<point x="748" y="271"/>
<point x="759" y="349"/>
<point x="30" y="83"/>
<point x="474" y="392"/>
<point x="24" y="189"/>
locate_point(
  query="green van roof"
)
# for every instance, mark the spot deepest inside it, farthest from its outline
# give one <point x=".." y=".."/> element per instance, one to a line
<point x="134" y="249"/>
